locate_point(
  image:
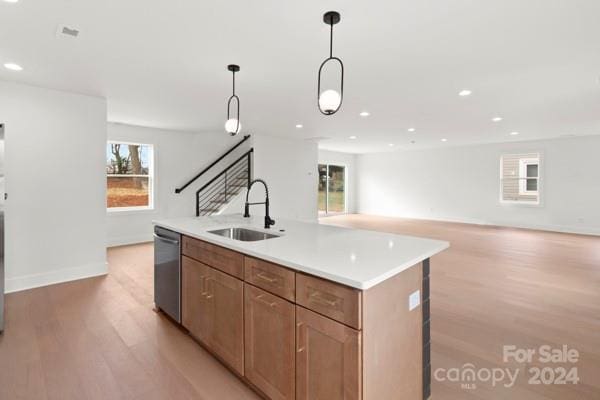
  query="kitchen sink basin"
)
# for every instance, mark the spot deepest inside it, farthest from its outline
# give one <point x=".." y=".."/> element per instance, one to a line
<point x="243" y="234"/>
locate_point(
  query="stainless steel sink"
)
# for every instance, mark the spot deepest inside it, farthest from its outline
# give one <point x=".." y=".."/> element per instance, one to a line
<point x="243" y="234"/>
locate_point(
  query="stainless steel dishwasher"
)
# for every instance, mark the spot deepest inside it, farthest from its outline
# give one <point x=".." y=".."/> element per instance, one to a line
<point x="167" y="272"/>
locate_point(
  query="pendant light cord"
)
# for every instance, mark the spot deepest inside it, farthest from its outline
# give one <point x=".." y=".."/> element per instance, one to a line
<point x="233" y="72"/>
<point x="331" y="39"/>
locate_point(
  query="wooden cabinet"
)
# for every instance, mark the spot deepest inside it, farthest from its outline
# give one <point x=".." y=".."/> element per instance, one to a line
<point x="195" y="305"/>
<point x="328" y="358"/>
<point x="213" y="311"/>
<point x="270" y="277"/>
<point x="295" y="336"/>
<point x="226" y="295"/>
<point x="269" y="347"/>
<point x="331" y="299"/>
<point x="225" y="260"/>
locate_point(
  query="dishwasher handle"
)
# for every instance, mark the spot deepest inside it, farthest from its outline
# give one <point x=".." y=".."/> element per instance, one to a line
<point x="164" y="239"/>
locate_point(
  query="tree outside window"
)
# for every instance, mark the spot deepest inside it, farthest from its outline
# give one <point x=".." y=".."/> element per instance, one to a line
<point x="129" y="176"/>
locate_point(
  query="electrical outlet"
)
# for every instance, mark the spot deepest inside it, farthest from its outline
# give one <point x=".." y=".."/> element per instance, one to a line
<point x="414" y="300"/>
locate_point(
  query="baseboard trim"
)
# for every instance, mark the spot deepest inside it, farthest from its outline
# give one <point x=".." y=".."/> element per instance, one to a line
<point x="127" y="240"/>
<point x="536" y="227"/>
<point x="53" y="277"/>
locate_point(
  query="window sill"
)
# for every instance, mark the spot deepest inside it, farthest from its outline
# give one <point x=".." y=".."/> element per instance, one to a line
<point x="520" y="204"/>
<point x="130" y="211"/>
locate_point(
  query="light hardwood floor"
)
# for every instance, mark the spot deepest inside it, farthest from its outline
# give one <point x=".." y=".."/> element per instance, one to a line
<point x="98" y="338"/>
<point x="500" y="286"/>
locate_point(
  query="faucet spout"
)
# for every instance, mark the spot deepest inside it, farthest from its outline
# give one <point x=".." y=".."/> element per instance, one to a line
<point x="268" y="220"/>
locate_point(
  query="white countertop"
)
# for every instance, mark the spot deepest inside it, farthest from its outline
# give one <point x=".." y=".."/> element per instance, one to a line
<point x="352" y="257"/>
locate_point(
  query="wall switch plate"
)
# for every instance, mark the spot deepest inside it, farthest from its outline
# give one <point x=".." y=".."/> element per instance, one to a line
<point x="414" y="300"/>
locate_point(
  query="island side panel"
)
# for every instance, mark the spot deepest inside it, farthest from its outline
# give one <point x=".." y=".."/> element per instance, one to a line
<point x="393" y="339"/>
<point x="426" y="331"/>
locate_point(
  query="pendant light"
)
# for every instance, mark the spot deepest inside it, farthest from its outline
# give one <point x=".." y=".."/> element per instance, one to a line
<point x="233" y="125"/>
<point x="330" y="100"/>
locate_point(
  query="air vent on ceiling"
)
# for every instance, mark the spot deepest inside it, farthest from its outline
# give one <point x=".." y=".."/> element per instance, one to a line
<point x="68" y="32"/>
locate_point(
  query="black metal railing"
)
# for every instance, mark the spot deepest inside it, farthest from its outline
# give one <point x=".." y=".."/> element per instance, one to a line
<point x="217" y="192"/>
<point x="181" y="189"/>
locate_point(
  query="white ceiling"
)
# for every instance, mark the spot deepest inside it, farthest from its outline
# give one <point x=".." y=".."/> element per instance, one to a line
<point x="536" y="63"/>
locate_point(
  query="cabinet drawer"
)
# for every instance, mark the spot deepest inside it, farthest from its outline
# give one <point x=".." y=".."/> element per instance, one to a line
<point x="217" y="257"/>
<point x="270" y="277"/>
<point x="339" y="302"/>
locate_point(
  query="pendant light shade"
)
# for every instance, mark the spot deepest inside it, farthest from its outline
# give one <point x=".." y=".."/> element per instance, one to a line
<point x="330" y="100"/>
<point x="233" y="125"/>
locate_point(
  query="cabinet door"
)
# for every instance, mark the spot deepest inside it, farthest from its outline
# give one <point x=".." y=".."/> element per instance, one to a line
<point x="270" y="338"/>
<point x="225" y="295"/>
<point x="328" y="358"/>
<point x="195" y="305"/>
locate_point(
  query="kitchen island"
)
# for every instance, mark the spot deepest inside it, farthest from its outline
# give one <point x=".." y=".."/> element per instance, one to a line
<point x="316" y="312"/>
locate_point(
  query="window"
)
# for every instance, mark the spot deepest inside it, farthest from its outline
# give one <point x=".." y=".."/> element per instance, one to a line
<point x="129" y="176"/>
<point x="520" y="178"/>
<point x="528" y="176"/>
<point x="332" y="189"/>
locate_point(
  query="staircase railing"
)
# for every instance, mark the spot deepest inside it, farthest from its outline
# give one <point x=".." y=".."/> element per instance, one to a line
<point x="182" y="188"/>
<point x="217" y="192"/>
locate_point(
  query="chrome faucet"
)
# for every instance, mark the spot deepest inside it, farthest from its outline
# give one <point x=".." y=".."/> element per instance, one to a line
<point x="268" y="220"/>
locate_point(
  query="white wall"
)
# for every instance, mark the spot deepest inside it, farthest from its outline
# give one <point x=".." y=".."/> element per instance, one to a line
<point x="289" y="166"/>
<point x="55" y="212"/>
<point x="462" y="184"/>
<point x="349" y="161"/>
<point x="178" y="156"/>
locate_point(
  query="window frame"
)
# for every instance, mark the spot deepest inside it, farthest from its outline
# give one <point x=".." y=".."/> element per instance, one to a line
<point x="151" y="180"/>
<point x="523" y="177"/>
<point x="539" y="193"/>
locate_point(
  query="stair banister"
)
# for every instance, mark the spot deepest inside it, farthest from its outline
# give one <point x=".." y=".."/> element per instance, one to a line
<point x="182" y="188"/>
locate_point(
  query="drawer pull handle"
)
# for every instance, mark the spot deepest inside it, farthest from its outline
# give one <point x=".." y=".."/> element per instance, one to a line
<point x="261" y="298"/>
<point x="264" y="277"/>
<point x="203" y="291"/>
<point x="205" y="288"/>
<point x="300" y="348"/>
<point x="317" y="297"/>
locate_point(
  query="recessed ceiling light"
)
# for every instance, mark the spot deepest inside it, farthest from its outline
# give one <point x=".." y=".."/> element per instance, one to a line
<point x="411" y="129"/>
<point x="13" y="67"/>
<point x="11" y="1"/>
<point x="352" y="137"/>
<point x="514" y="133"/>
<point x="464" y="92"/>
<point x="497" y="119"/>
<point x="444" y="140"/>
<point x="364" y="114"/>
<point x="299" y="126"/>
<point x="391" y="144"/>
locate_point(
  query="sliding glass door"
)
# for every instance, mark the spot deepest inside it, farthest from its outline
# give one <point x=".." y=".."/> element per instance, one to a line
<point x="332" y="189"/>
